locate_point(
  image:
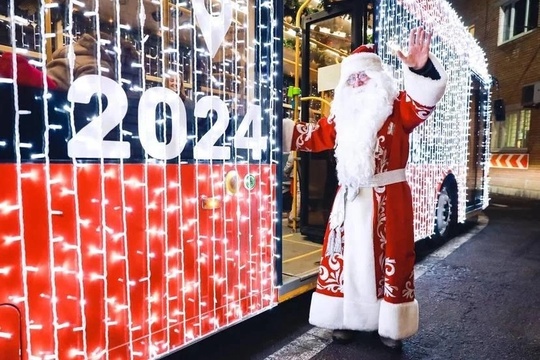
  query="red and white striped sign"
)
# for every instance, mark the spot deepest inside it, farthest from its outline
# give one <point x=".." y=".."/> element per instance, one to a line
<point x="510" y="161"/>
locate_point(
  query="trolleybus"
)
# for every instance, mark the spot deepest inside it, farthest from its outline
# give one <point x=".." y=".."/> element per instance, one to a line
<point x="141" y="161"/>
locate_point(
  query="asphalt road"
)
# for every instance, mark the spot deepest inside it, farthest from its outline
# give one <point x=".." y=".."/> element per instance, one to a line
<point x="479" y="298"/>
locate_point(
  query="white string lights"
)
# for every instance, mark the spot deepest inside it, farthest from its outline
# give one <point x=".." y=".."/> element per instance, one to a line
<point x="132" y="247"/>
<point x="441" y="145"/>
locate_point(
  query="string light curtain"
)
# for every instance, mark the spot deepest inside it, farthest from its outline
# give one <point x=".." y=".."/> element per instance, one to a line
<point x="441" y="144"/>
<point x="134" y="220"/>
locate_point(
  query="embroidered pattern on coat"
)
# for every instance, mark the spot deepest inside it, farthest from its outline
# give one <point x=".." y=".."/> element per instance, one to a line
<point x="305" y="131"/>
<point x="330" y="278"/>
<point x="408" y="292"/>
<point x="381" y="164"/>
<point x="391" y="128"/>
<point x="391" y="284"/>
<point x="389" y="270"/>
<point x="421" y="111"/>
<point x="381" y="155"/>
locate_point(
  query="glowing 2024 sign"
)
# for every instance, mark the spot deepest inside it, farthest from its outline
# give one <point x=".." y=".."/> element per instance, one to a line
<point x="89" y="141"/>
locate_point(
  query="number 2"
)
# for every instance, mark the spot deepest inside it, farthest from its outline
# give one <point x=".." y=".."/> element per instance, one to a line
<point x="88" y="142"/>
<point x="205" y="148"/>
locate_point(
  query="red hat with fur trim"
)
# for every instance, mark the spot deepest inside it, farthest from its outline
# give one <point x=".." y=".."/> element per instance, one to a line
<point x="363" y="58"/>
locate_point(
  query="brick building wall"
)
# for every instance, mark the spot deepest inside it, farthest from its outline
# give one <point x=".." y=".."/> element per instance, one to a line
<point x="513" y="64"/>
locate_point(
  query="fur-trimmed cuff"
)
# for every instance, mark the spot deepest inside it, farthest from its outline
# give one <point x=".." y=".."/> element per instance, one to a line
<point x="398" y="321"/>
<point x="287" y="135"/>
<point x="331" y="312"/>
<point x="425" y="90"/>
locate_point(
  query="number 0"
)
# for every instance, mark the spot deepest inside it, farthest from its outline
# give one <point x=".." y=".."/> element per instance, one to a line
<point x="147" y="123"/>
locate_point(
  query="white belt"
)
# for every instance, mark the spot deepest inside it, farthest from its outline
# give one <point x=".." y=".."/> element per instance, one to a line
<point x="337" y="216"/>
<point x="386" y="178"/>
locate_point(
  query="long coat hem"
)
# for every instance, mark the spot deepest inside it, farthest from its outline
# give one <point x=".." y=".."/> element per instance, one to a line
<point x="394" y="321"/>
<point x="329" y="312"/>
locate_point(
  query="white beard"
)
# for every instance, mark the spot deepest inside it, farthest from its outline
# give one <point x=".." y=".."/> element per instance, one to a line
<point x="359" y="114"/>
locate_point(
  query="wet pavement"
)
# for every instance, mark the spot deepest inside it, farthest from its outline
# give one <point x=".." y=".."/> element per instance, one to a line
<point x="479" y="298"/>
<point x="482" y="301"/>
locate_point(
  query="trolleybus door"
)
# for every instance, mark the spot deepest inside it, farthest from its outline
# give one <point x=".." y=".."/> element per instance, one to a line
<point x="327" y="36"/>
<point x="477" y="145"/>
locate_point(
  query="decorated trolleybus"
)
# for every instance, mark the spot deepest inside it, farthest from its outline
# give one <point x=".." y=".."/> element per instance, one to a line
<point x="141" y="164"/>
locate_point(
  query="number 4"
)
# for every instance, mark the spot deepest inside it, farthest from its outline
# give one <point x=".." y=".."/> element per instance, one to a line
<point x="256" y="142"/>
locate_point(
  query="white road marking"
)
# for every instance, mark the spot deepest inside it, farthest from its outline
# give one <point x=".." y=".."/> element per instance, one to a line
<point x="305" y="346"/>
<point x="316" y="339"/>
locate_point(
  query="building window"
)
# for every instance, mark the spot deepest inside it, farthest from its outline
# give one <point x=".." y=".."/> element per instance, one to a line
<point x="512" y="133"/>
<point x="518" y="17"/>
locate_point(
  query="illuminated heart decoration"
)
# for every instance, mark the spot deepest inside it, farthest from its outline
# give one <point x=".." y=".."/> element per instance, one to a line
<point x="213" y="28"/>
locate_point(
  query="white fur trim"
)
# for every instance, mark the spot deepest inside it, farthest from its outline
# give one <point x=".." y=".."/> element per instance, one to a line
<point x="327" y="312"/>
<point x="361" y="306"/>
<point x="358" y="309"/>
<point x="424" y="90"/>
<point x="359" y="62"/>
<point x="287" y="134"/>
<point x="359" y="284"/>
<point x="398" y="321"/>
<point x="361" y="316"/>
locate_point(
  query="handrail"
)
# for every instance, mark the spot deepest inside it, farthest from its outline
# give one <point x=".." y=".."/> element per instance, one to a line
<point x="295" y="110"/>
<point x="297" y="54"/>
<point x="316" y="98"/>
<point x="21" y="51"/>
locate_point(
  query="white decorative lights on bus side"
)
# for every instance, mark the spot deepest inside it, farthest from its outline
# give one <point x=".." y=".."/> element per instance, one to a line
<point x="448" y="127"/>
<point x="112" y="245"/>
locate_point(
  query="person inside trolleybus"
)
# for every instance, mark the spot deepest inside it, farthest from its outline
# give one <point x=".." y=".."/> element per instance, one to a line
<point x="366" y="278"/>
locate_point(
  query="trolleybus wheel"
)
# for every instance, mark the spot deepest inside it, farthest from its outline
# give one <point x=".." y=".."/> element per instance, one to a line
<point x="446" y="212"/>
